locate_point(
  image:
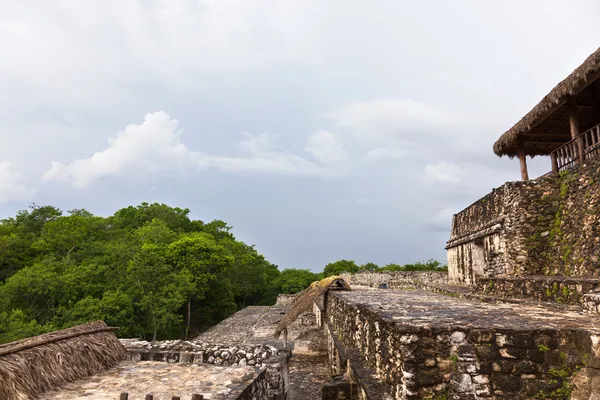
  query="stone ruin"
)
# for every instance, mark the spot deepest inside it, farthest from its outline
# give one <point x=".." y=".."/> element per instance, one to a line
<point x="400" y="335"/>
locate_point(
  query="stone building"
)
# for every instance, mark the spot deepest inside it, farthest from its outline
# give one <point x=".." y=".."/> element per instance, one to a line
<point x="546" y="226"/>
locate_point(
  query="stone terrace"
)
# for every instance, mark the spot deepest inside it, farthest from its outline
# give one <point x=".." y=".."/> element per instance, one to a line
<point x="165" y="380"/>
<point x="424" y="345"/>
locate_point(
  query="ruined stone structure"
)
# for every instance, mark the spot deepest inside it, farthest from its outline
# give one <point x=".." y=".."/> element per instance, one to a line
<point x="547" y="226"/>
<point x="399" y="335"/>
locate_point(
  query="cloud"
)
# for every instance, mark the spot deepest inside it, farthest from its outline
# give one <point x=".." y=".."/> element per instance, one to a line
<point x="395" y="118"/>
<point x="326" y="148"/>
<point x="264" y="155"/>
<point x="442" y="221"/>
<point x="11" y="187"/>
<point x="150" y="149"/>
<point x="390" y="153"/>
<point x="444" y="172"/>
<point x="153" y="150"/>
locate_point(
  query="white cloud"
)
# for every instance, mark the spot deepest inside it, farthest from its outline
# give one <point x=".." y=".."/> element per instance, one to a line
<point x="389" y="153"/>
<point x="326" y="148"/>
<point x="444" y="172"/>
<point x="264" y="155"/>
<point x="11" y="187"/>
<point x="394" y="118"/>
<point x="153" y="149"/>
<point x="442" y="221"/>
<point x="147" y="150"/>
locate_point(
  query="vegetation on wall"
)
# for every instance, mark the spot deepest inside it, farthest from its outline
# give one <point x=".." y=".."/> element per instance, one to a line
<point x="149" y="269"/>
<point x="555" y="239"/>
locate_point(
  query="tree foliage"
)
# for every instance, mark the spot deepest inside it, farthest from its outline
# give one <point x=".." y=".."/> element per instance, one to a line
<point x="149" y="269"/>
<point x="339" y="267"/>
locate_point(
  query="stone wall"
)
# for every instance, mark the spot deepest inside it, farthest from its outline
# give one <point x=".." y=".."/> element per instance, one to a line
<point x="258" y="389"/>
<point x="462" y="363"/>
<point x="478" y="216"/>
<point x="590" y="303"/>
<point x="560" y="289"/>
<point x="545" y="227"/>
<point x="272" y="360"/>
<point x="397" y="279"/>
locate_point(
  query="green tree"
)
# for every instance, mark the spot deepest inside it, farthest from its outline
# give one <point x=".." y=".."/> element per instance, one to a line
<point x="131" y="218"/>
<point x="157" y="289"/>
<point x="202" y="259"/>
<point x="371" y="267"/>
<point x="292" y="280"/>
<point x="339" y="267"/>
<point x="15" y="325"/>
<point x="64" y="235"/>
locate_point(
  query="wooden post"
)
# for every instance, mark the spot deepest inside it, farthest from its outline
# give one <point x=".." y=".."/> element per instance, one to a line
<point x="554" y="163"/>
<point x="284" y="338"/>
<point x="523" y="161"/>
<point x="149" y="397"/>
<point x="197" y="397"/>
<point x="175" y="398"/>
<point x="575" y="133"/>
<point x="595" y="105"/>
<point x="124" y="396"/>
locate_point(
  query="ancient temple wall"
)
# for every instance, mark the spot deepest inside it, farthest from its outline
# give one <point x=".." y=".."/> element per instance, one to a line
<point x="547" y="227"/>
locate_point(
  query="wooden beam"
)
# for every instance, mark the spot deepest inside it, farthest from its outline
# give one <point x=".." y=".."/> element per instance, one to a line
<point x="595" y="105"/>
<point x="554" y="135"/>
<point x="574" y="127"/>
<point x="548" y="143"/>
<point x="554" y="161"/>
<point x="523" y="161"/>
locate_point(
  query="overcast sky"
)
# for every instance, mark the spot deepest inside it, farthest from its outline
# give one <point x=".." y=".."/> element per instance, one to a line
<point x="318" y="129"/>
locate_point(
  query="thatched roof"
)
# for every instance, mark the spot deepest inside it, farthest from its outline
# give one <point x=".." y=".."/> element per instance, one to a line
<point x="42" y="363"/>
<point x="307" y="297"/>
<point x="546" y="126"/>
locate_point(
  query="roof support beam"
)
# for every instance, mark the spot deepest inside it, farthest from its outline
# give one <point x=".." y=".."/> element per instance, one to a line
<point x="595" y="105"/>
<point x="574" y="127"/>
<point x="523" y="161"/>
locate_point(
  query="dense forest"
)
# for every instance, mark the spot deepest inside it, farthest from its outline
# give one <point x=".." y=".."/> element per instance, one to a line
<point x="150" y="269"/>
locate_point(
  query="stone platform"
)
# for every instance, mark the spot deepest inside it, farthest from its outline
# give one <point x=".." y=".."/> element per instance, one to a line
<point x="165" y="380"/>
<point x="424" y="345"/>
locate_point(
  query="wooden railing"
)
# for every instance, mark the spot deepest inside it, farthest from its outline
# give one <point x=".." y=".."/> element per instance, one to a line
<point x="585" y="146"/>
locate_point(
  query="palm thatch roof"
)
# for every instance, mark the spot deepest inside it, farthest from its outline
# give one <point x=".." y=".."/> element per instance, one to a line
<point x="307" y="297"/>
<point x="546" y="126"/>
<point x="33" y="366"/>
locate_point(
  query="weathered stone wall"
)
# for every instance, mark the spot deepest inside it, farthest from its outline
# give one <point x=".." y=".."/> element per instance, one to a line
<point x="194" y="352"/>
<point x="438" y="362"/>
<point x="590" y="303"/>
<point x="565" y="238"/>
<point x="560" y="289"/>
<point x="479" y="215"/>
<point x="480" y="257"/>
<point x="545" y="227"/>
<point x="261" y="356"/>
<point x="396" y="279"/>
<point x="257" y="390"/>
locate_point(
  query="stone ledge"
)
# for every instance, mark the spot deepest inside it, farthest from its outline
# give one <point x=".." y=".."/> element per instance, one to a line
<point x="558" y="289"/>
<point x="349" y="363"/>
<point x="493" y="227"/>
<point x="423" y="345"/>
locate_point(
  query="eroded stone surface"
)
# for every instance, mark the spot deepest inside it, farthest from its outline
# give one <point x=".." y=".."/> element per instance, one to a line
<point x="419" y="309"/>
<point x="548" y="226"/>
<point x="307" y="374"/>
<point x="424" y="345"/>
<point x="591" y="303"/>
<point x="163" y="380"/>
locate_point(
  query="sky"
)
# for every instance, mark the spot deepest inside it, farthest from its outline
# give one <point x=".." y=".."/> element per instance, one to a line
<point x="319" y="130"/>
